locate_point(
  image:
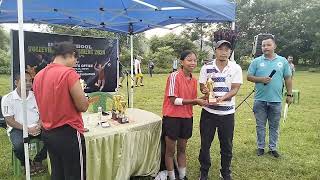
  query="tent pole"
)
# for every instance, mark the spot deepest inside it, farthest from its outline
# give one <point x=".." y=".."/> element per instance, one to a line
<point x="132" y="83"/>
<point x="233" y="27"/>
<point x="23" y="87"/>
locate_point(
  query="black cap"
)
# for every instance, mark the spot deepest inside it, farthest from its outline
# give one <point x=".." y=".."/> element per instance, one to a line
<point x="219" y="43"/>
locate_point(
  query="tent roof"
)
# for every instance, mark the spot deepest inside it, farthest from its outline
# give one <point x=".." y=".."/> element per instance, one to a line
<point x="126" y="16"/>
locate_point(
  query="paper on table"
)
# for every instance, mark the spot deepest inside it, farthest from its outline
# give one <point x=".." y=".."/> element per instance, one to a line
<point x="285" y="112"/>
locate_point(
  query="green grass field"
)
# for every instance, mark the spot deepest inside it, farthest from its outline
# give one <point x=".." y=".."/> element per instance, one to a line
<point x="299" y="142"/>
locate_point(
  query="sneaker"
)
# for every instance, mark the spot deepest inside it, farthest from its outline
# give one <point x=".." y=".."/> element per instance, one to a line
<point x="226" y="177"/>
<point x="141" y="84"/>
<point x="184" y="178"/>
<point x="39" y="167"/>
<point x="274" y="154"/>
<point x="137" y="86"/>
<point x="260" y="152"/>
<point x="33" y="170"/>
<point x="203" y="176"/>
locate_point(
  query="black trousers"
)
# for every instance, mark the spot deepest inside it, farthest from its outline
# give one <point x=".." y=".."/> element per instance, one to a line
<point x="209" y="123"/>
<point x="67" y="152"/>
<point x="16" y="137"/>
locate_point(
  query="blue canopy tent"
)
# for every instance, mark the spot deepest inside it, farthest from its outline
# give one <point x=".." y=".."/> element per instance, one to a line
<point x="120" y="16"/>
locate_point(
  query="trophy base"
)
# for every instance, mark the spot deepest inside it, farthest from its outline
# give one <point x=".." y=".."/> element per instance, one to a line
<point x="121" y="118"/>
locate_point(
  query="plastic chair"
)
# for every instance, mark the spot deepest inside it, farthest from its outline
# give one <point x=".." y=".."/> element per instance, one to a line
<point x="296" y="96"/>
<point x="16" y="165"/>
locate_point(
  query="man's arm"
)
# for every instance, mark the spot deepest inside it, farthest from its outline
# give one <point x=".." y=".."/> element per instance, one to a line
<point x="13" y="123"/>
<point x="234" y="90"/>
<point x="197" y="101"/>
<point x="256" y="79"/>
<point x="288" y="83"/>
<point x="79" y="98"/>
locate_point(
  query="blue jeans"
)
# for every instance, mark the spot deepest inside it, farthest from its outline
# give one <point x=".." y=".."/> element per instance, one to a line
<point x="271" y="112"/>
<point x="16" y="137"/>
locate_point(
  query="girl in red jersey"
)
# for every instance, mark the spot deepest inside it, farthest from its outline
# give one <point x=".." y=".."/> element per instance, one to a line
<point x="180" y="96"/>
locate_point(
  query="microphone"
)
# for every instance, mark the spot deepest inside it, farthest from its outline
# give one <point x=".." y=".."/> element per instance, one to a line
<point x="271" y="74"/>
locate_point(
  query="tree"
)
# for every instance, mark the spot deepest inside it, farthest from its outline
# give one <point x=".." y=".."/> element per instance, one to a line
<point x="293" y="22"/>
<point x="163" y="50"/>
<point x="177" y="43"/>
<point x="199" y="31"/>
<point x="4" y="54"/>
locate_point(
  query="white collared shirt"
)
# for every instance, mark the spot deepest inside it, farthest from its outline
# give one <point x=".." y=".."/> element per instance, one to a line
<point x="137" y="66"/>
<point x="232" y="73"/>
<point x="11" y="105"/>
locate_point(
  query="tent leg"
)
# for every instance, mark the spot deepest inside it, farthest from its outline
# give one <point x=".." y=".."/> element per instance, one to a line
<point x="23" y="87"/>
<point x="233" y="27"/>
<point x="132" y="82"/>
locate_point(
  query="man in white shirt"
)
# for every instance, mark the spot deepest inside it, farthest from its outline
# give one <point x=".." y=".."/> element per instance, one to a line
<point x="226" y="77"/>
<point x="11" y="106"/>
<point x="174" y="65"/>
<point x="138" y="71"/>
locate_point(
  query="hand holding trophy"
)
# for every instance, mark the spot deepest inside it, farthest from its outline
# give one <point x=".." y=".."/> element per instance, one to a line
<point x="210" y="93"/>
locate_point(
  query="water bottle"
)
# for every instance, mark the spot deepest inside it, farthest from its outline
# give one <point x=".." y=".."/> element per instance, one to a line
<point x="99" y="114"/>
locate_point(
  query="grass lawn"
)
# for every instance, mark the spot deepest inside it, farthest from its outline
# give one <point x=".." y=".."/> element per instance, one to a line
<point x="299" y="142"/>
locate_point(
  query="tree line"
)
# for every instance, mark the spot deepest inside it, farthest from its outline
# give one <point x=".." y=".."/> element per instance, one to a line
<point x="295" y="24"/>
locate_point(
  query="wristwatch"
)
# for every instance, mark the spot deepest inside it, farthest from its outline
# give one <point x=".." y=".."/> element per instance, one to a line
<point x="290" y="95"/>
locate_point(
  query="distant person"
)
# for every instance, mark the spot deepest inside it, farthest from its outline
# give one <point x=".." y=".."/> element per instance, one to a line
<point x="61" y="100"/>
<point x="151" y="67"/>
<point x="290" y="60"/>
<point x="138" y="71"/>
<point x="12" y="110"/>
<point x="121" y="75"/>
<point x="174" y="65"/>
<point x="268" y="93"/>
<point x="42" y="63"/>
<point x="180" y="96"/>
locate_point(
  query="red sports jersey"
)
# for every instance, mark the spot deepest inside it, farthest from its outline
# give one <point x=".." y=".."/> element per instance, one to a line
<point x="179" y="86"/>
<point x="51" y="87"/>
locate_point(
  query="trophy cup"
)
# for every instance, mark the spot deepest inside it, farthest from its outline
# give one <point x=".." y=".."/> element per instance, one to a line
<point x="83" y="84"/>
<point x="210" y="94"/>
<point x="119" y="108"/>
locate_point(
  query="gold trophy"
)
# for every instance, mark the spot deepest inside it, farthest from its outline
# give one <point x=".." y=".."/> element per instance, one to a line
<point x="210" y="94"/>
<point x="118" y="109"/>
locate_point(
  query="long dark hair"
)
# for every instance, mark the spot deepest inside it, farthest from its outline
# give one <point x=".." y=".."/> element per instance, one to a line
<point x="64" y="48"/>
<point x="185" y="53"/>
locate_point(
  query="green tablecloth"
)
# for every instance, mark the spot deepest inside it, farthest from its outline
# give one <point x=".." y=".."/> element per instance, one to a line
<point x="123" y="150"/>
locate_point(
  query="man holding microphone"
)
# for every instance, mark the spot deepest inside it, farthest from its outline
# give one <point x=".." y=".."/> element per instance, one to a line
<point x="268" y="72"/>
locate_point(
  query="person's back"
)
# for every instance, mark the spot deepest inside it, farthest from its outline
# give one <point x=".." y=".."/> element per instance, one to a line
<point x="60" y="99"/>
<point x="53" y="83"/>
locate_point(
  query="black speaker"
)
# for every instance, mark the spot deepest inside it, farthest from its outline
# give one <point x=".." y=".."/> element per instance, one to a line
<point x="3" y="123"/>
<point x="256" y="45"/>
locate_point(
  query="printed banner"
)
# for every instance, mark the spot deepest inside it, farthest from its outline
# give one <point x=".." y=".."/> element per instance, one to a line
<point x="97" y="63"/>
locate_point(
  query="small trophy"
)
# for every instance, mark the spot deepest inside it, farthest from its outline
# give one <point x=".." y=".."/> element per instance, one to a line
<point x="119" y="108"/>
<point x="210" y="86"/>
<point x="83" y="84"/>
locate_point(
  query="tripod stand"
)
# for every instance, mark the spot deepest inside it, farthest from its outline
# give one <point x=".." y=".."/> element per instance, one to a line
<point x="245" y="100"/>
<point x="127" y="74"/>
